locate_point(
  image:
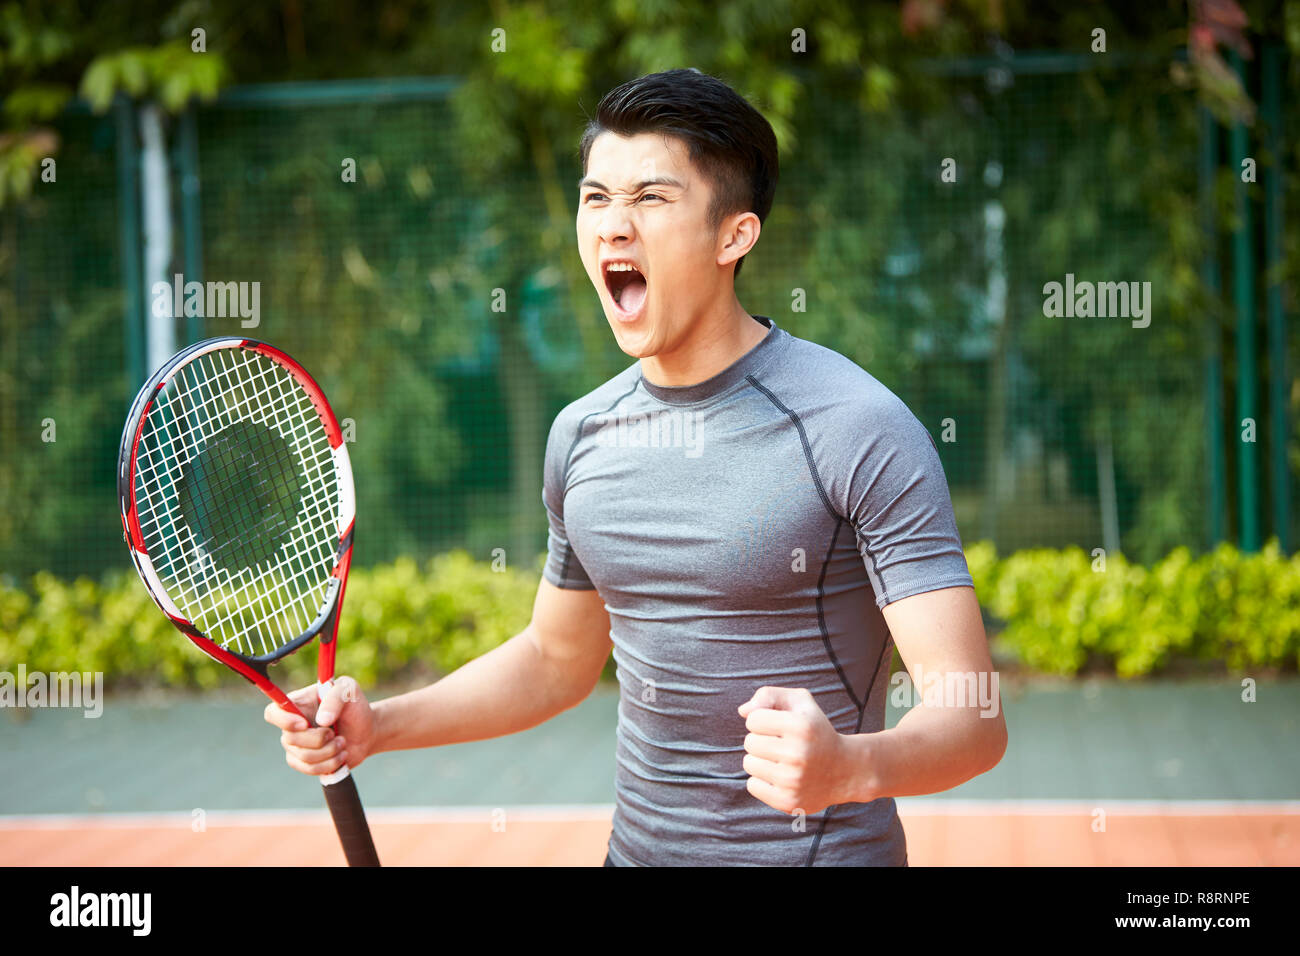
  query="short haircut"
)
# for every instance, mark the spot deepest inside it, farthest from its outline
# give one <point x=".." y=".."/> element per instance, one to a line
<point x="729" y="141"/>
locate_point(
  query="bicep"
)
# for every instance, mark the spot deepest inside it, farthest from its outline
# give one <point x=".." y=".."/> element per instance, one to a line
<point x="940" y="636"/>
<point x="570" y="629"/>
<point x="940" y="632"/>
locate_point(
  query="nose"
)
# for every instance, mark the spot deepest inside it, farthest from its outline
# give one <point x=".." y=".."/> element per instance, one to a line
<point x="614" y="224"/>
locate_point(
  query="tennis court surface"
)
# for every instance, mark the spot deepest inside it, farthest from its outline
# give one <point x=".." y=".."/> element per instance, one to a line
<point x="1098" y="773"/>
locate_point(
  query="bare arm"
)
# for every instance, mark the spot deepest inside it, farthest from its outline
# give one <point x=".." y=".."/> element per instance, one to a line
<point x="548" y="667"/>
<point x="798" y="761"/>
<point x="936" y="746"/>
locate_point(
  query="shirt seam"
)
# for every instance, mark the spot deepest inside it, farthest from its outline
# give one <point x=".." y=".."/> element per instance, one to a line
<point x="777" y="349"/>
<point x="809" y="459"/>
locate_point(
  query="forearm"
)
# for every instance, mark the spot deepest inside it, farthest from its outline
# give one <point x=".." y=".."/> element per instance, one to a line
<point x="510" y="688"/>
<point x="931" y="749"/>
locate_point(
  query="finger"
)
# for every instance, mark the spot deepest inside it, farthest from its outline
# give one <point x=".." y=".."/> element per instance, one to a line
<point x="317" y="769"/>
<point x="774" y="797"/>
<point x="770" y="697"/>
<point x="316" y="755"/>
<point x="313" y="739"/>
<point x="349" y="690"/>
<point x="776" y="723"/>
<point x="766" y="770"/>
<point x="334" y="697"/>
<point x="767" y="747"/>
<point x="305" y="699"/>
<point x="279" y="717"/>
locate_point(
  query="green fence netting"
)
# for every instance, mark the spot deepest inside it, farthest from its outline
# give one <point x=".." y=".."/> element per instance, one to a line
<point x="1053" y="430"/>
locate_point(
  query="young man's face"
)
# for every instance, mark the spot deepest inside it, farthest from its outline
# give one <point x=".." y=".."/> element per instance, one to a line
<point x="643" y="202"/>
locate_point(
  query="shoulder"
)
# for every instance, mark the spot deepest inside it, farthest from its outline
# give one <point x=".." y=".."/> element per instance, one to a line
<point x="601" y="399"/>
<point x="832" y="393"/>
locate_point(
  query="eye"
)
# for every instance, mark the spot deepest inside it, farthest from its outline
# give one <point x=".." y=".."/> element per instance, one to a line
<point x="590" y="196"/>
<point x="650" y="196"/>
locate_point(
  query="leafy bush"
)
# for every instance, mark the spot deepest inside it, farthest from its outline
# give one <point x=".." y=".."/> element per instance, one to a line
<point x="399" y="620"/>
<point x="1056" y="611"/>
<point x="1064" y="611"/>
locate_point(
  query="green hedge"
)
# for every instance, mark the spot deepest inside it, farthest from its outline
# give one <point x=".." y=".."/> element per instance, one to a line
<point x="1063" y="613"/>
<point x="1050" y="609"/>
<point x="400" y="620"/>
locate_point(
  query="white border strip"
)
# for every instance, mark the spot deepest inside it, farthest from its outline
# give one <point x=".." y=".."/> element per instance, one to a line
<point x="156" y="589"/>
<point x="939" y="807"/>
<point x="347" y="491"/>
<point x="560" y="813"/>
<point x="603" y="813"/>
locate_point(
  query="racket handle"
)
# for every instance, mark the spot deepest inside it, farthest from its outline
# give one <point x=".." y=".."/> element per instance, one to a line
<point x="350" y="820"/>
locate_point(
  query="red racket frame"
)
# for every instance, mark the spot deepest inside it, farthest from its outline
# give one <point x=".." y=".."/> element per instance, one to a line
<point x="340" y="790"/>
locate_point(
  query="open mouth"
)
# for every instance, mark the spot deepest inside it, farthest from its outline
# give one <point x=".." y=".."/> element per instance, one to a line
<point x="627" y="286"/>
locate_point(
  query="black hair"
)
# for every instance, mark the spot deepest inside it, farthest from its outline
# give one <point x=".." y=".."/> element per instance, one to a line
<point x="728" y="140"/>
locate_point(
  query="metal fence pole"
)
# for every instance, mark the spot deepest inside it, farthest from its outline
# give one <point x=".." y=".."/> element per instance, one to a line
<point x="128" y="197"/>
<point x="1208" y="164"/>
<point x="1271" y="111"/>
<point x="186" y="159"/>
<point x="1243" y="285"/>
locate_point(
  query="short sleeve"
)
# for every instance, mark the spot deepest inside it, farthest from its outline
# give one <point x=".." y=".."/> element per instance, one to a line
<point x="562" y="568"/>
<point x="898" y="502"/>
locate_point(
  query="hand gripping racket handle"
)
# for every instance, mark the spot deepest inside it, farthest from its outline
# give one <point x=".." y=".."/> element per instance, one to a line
<point x="350" y="819"/>
<point x="345" y="807"/>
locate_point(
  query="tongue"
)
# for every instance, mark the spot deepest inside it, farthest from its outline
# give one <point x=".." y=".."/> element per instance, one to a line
<point x="633" y="295"/>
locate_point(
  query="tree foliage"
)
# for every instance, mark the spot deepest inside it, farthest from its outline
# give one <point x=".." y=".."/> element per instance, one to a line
<point x="1093" y="171"/>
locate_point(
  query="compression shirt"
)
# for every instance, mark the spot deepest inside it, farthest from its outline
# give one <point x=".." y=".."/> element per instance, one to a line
<point x="743" y="531"/>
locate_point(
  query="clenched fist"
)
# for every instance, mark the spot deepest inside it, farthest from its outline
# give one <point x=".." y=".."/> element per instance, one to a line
<point x="344" y="733"/>
<point x="795" y="758"/>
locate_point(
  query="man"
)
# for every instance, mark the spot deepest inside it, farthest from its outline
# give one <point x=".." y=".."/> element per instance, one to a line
<point x="750" y="520"/>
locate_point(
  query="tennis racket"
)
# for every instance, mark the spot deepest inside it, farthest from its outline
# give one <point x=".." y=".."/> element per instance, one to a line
<point x="237" y="504"/>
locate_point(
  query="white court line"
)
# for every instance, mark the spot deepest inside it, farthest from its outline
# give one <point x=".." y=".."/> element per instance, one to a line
<point x="563" y="813"/>
<point x="581" y="813"/>
<point x="932" y="806"/>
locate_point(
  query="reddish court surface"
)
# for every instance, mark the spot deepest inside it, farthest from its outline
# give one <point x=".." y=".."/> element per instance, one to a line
<point x="984" y="834"/>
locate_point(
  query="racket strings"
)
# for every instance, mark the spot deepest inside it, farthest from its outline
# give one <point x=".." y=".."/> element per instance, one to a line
<point x="260" y="590"/>
<point x="256" y="583"/>
<point x="178" y="439"/>
<point x="237" y="496"/>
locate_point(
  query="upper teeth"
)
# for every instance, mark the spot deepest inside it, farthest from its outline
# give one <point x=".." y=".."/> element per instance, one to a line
<point x="621" y="267"/>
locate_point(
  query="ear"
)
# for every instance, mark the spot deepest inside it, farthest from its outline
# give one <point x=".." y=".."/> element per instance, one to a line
<point x="737" y="235"/>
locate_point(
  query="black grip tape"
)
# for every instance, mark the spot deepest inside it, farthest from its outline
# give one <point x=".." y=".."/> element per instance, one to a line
<point x="350" y="821"/>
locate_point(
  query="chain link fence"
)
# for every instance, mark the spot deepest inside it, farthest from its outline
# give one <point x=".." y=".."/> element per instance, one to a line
<point x="919" y="243"/>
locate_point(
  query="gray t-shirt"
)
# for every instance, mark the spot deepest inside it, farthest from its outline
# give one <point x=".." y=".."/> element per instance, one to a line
<point x="745" y="531"/>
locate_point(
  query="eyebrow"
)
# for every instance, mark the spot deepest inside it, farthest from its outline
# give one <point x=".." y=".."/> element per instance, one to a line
<point x="660" y="181"/>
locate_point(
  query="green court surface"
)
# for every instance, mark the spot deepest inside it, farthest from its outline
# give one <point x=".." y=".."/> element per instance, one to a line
<point x="1160" y="741"/>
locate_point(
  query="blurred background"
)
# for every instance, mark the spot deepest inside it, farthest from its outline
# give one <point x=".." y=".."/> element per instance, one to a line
<point x="399" y="178"/>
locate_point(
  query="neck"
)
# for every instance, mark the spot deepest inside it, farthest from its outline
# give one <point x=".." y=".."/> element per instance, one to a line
<point x="712" y="344"/>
